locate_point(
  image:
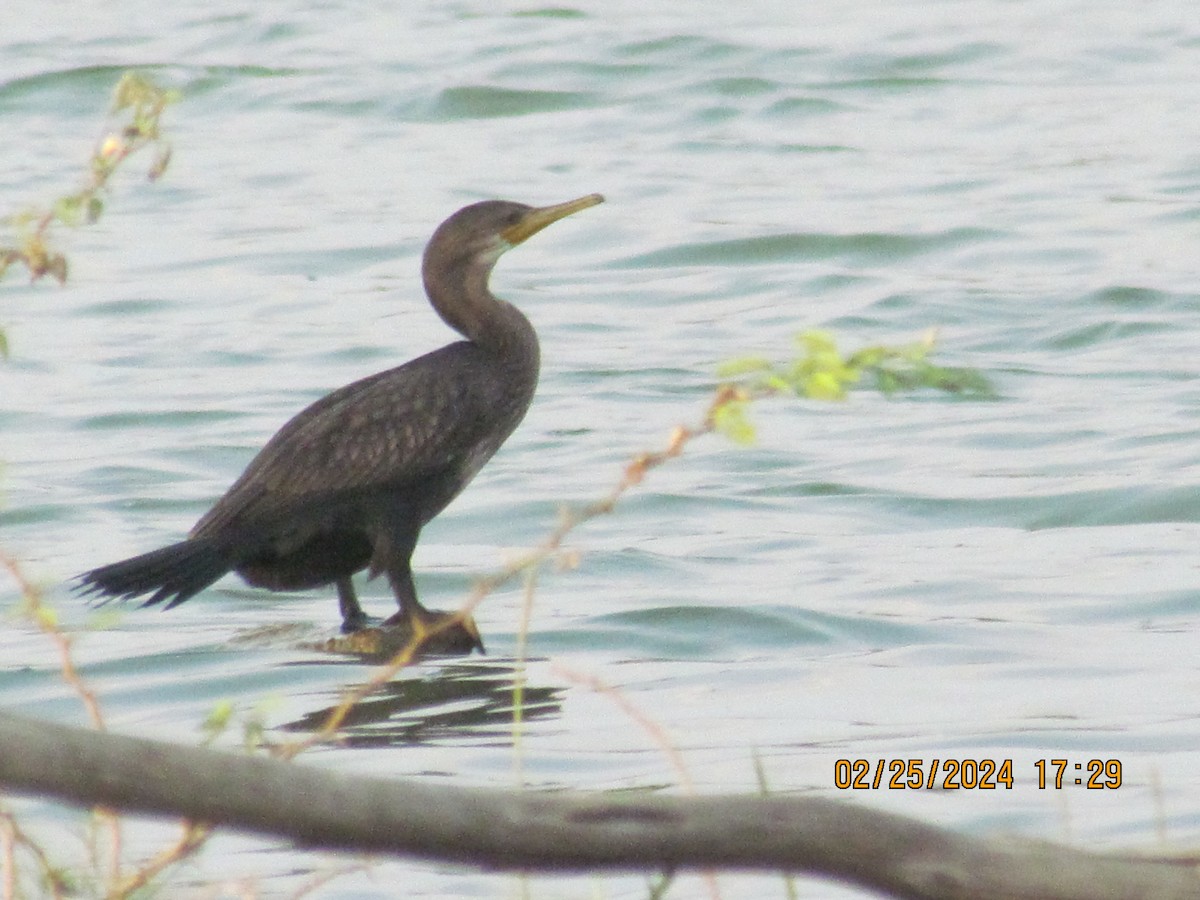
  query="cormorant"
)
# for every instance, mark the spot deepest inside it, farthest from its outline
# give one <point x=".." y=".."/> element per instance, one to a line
<point x="350" y="481"/>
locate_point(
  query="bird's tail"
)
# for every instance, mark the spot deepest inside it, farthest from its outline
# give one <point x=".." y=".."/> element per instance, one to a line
<point x="170" y="575"/>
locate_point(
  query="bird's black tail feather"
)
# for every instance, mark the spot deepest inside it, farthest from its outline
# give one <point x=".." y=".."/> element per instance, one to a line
<point x="170" y="575"/>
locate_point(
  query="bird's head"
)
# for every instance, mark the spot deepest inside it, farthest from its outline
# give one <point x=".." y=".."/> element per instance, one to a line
<point x="477" y="235"/>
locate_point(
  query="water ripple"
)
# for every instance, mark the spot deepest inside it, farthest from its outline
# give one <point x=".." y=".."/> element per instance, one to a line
<point x="489" y="102"/>
<point x="777" y="248"/>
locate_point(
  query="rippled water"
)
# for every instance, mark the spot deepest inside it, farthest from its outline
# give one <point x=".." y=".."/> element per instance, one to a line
<point x="913" y="577"/>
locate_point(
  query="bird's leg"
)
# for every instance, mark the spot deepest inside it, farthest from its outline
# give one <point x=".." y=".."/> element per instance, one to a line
<point x="393" y="556"/>
<point x="434" y="629"/>
<point x="400" y="577"/>
<point x="436" y="632"/>
<point x="353" y="617"/>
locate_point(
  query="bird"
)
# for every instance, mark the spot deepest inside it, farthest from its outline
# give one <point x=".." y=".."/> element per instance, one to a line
<point x="349" y="482"/>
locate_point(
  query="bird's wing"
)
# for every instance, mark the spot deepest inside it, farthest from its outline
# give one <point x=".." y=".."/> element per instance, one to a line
<point x="398" y="427"/>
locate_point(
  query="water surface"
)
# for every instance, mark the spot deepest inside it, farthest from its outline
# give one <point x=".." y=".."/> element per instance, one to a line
<point x="912" y="577"/>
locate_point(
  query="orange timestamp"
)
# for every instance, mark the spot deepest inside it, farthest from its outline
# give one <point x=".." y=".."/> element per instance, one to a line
<point x="970" y="774"/>
<point x="918" y="774"/>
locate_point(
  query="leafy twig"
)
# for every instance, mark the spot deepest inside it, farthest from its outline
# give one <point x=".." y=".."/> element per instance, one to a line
<point x="820" y="371"/>
<point x="142" y="102"/>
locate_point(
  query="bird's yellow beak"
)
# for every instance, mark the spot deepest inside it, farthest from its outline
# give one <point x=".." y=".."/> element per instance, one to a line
<point x="537" y="219"/>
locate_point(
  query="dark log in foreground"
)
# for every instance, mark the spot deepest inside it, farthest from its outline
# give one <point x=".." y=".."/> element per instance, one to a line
<point x="512" y="830"/>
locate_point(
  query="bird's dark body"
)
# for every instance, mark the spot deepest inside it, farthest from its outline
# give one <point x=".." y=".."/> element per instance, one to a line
<point x="381" y="457"/>
<point x="349" y="482"/>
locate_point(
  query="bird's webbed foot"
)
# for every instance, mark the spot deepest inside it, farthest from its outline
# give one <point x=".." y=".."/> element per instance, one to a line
<point x="442" y="633"/>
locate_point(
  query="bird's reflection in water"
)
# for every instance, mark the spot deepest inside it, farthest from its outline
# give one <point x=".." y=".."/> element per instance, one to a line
<point x="460" y="700"/>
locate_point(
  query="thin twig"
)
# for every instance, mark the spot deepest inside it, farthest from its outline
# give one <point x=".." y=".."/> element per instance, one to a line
<point x="521" y="675"/>
<point x="657" y="732"/>
<point x="12" y="837"/>
<point x="649" y="725"/>
<point x="190" y="840"/>
<point x="47" y="621"/>
<point x="321" y="879"/>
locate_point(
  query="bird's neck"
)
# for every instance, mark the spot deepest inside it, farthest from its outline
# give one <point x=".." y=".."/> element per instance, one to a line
<point x="465" y="303"/>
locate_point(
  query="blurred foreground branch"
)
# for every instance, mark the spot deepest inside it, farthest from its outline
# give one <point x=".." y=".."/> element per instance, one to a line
<point x="524" y="831"/>
<point x="140" y="102"/>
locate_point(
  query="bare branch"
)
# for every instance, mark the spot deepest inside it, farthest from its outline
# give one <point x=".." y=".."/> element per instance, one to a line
<point x="523" y="831"/>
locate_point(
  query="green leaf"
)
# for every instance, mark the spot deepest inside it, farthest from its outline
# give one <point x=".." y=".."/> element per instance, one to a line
<point x="731" y="420"/>
<point x="45" y="617"/>
<point x="69" y="209"/>
<point x="103" y="166"/>
<point x="778" y="384"/>
<point x="870" y="356"/>
<point x="886" y="382"/>
<point x="217" y="719"/>
<point x="254" y="734"/>
<point x="132" y="91"/>
<point x="123" y="93"/>
<point x="816" y="340"/>
<point x="824" y="386"/>
<point x="960" y="381"/>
